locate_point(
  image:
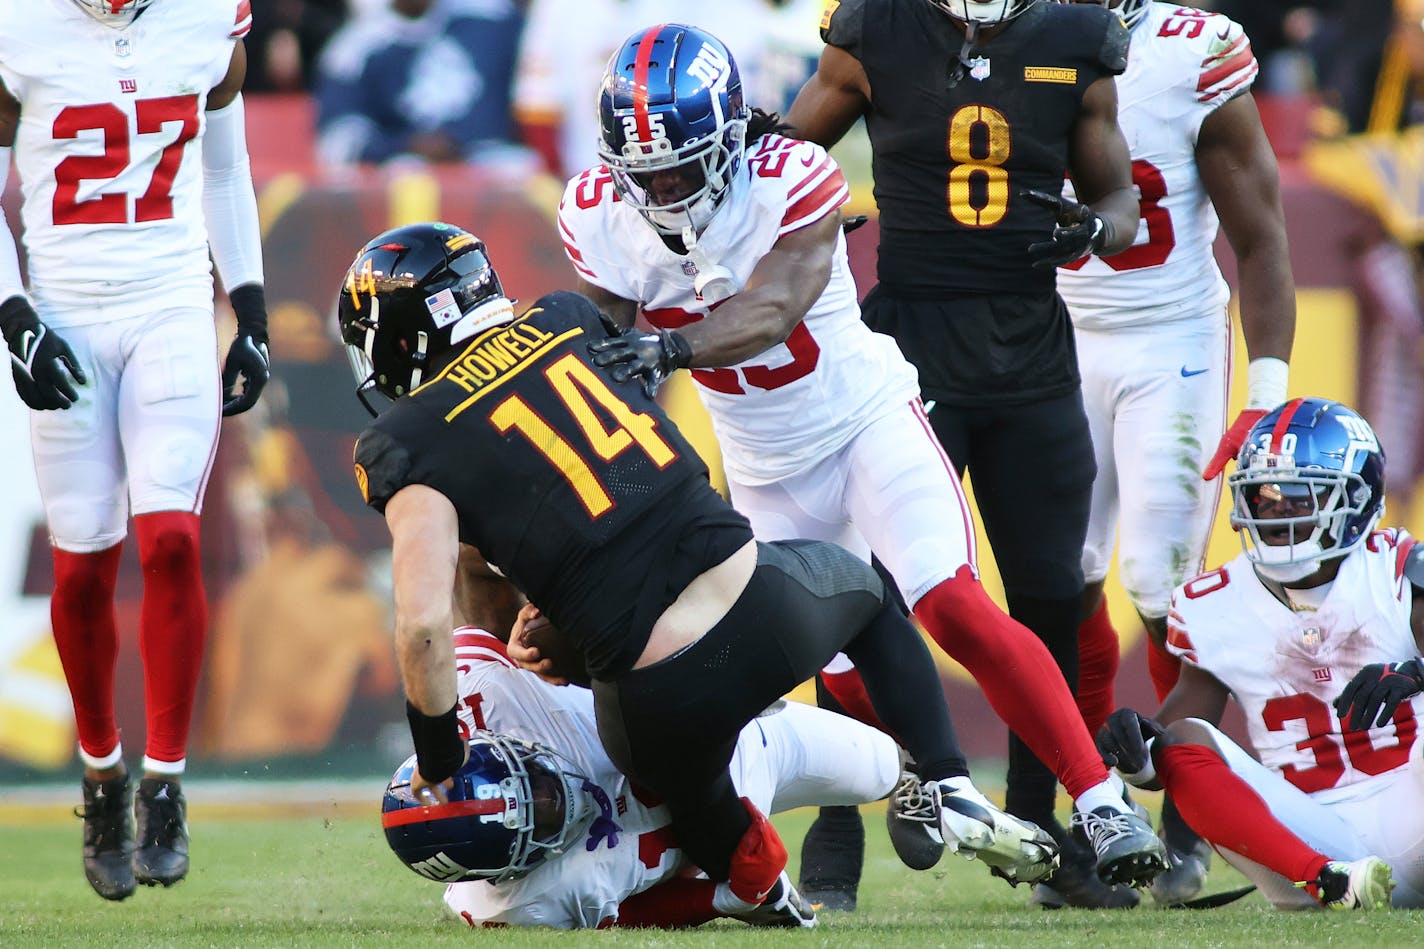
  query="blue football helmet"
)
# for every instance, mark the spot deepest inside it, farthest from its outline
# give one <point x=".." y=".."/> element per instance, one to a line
<point x="983" y="12"/>
<point x="514" y="804"/>
<point x="672" y="125"/>
<point x="1308" y="487"/>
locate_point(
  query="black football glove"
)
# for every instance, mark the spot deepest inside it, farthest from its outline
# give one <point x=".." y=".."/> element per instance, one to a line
<point x="651" y="357"/>
<point x="247" y="357"/>
<point x="1078" y="231"/>
<point x="1122" y="741"/>
<point x="1375" y="692"/>
<point x="40" y="360"/>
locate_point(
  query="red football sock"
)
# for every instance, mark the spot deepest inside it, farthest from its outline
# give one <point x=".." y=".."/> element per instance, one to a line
<point x="758" y="860"/>
<point x="848" y="689"/>
<point x="86" y="636"/>
<point x="1097" y="667"/>
<point x="1227" y="812"/>
<point x="681" y="901"/>
<point x="173" y="626"/>
<point x="1163" y="667"/>
<point x="1016" y="673"/>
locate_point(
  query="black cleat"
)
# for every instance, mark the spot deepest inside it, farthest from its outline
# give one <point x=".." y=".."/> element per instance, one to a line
<point x="108" y="836"/>
<point x="162" y="816"/>
<point x="1075" y="883"/>
<point x="832" y="857"/>
<point x="912" y="820"/>
<point x="784" y="908"/>
<point x="1127" y="849"/>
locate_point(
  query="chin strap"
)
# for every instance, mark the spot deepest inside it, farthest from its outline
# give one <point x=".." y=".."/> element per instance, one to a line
<point x="961" y="68"/>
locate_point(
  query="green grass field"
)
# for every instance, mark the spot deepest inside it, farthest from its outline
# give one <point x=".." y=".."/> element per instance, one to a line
<point x="313" y="870"/>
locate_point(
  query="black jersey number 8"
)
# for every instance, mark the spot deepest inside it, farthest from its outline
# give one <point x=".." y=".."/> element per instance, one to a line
<point x="989" y="167"/>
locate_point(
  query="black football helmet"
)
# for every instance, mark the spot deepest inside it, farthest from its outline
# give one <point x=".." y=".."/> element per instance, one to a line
<point x="411" y="294"/>
<point x="1308" y="487"/>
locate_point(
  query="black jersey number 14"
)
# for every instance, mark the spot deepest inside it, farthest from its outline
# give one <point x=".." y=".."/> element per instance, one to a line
<point x="579" y="388"/>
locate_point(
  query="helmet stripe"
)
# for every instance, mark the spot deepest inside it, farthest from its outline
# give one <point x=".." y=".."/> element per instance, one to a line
<point x="640" y="81"/>
<point x="418" y="815"/>
<point x="1283" y="423"/>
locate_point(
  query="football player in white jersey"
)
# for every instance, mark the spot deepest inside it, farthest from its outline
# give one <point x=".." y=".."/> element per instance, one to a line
<point x="126" y="124"/>
<point x="1154" y="338"/>
<point x="727" y="238"/>
<point x="1316" y="630"/>
<point x="619" y="863"/>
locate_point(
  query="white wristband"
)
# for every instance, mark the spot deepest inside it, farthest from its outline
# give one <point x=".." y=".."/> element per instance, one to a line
<point x="1266" y="382"/>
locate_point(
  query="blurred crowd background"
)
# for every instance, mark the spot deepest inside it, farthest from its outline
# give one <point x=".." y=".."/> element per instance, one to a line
<point x="365" y="114"/>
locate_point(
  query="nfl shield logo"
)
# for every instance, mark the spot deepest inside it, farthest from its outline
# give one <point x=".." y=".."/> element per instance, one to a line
<point x="979" y="68"/>
<point x="689" y="268"/>
<point x="121" y="46"/>
<point x="1311" y="636"/>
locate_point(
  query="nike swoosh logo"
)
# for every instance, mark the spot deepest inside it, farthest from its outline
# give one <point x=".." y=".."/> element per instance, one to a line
<point x="761" y="897"/>
<point x="1194" y="372"/>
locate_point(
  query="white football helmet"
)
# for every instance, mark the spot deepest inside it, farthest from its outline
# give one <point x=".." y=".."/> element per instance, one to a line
<point x="113" y="12"/>
<point x="983" y="12"/>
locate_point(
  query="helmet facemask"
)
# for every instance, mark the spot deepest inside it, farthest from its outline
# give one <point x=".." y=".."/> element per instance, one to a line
<point x="983" y="12"/>
<point x="705" y="166"/>
<point x="114" y="13"/>
<point x="1293" y="520"/>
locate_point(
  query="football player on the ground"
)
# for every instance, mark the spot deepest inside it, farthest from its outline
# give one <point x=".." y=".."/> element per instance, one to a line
<point x="505" y="435"/>
<point x="126" y="121"/>
<point x="1316" y="630"/>
<point x="618" y="862"/>
<point x="1154" y="341"/>
<point x="726" y="237"/>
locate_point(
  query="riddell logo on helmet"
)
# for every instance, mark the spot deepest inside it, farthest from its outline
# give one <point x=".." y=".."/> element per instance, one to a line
<point x="439" y="868"/>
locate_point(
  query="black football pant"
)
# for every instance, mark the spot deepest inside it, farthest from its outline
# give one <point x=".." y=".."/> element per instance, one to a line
<point x="1033" y="471"/>
<point x="673" y="726"/>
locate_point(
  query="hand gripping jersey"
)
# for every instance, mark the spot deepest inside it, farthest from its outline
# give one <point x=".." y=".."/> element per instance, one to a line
<point x="1285" y="668"/>
<point x="109" y="171"/>
<point x="782" y="410"/>
<point x="1184" y="64"/>
<point x="583" y="887"/>
<point x="951" y="158"/>
<point x="577" y="488"/>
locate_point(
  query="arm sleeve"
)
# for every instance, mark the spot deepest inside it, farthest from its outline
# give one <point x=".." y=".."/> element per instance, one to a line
<point x="1229" y="67"/>
<point x="229" y="202"/>
<point x="382" y="467"/>
<point x="10" y="282"/>
<point x="842" y="24"/>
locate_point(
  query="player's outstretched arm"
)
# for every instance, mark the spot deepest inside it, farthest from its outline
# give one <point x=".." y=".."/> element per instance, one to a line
<point x="1238" y="170"/>
<point x="424" y="549"/>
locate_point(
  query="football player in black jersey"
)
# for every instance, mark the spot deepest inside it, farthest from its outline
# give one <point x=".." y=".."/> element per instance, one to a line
<point x="976" y="111"/>
<point x="505" y="436"/>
